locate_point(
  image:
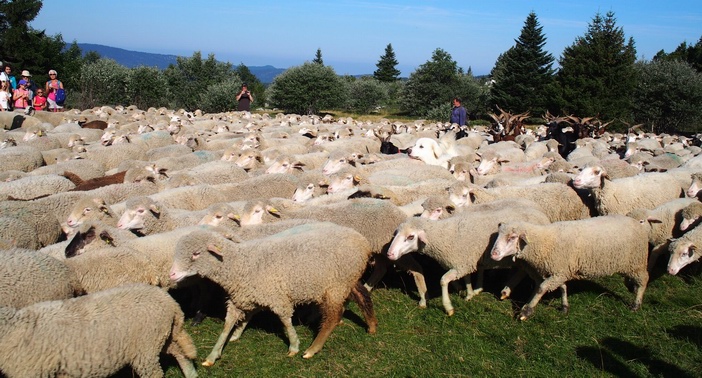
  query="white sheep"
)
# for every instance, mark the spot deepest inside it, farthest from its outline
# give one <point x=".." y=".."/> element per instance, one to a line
<point x="32" y="187"/>
<point x="95" y="335"/>
<point x="20" y="158"/>
<point x="459" y="244"/>
<point x="665" y="223"/>
<point x="562" y="251"/>
<point x="147" y="216"/>
<point x="296" y="266"/>
<point x="684" y="250"/>
<point x="28" y="277"/>
<point x="619" y="196"/>
<point x="691" y="216"/>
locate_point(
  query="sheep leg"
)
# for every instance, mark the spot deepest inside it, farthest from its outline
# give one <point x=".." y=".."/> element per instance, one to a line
<point x="547" y="285"/>
<point x="240" y="328"/>
<point x="564" y="298"/>
<point x="331" y="315"/>
<point x="148" y="366"/>
<point x="516" y="278"/>
<point x="293" y="339"/>
<point x="655" y="253"/>
<point x="641" y="280"/>
<point x="232" y="317"/>
<point x="361" y="296"/>
<point x="449" y="276"/>
<point x="409" y="264"/>
<point x="479" y="281"/>
<point x="380" y="267"/>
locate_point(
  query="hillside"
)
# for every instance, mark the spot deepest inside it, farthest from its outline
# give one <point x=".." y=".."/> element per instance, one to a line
<point x="132" y="59"/>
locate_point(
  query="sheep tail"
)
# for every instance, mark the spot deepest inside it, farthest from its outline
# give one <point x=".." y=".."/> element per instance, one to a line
<point x="361" y="296"/>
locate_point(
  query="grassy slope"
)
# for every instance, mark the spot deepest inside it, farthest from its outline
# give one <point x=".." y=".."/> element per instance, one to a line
<point x="599" y="337"/>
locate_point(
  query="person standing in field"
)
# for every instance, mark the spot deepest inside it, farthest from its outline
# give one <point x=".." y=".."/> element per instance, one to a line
<point x="458" y="112"/>
<point x="5" y="96"/>
<point x="245" y="99"/>
<point x="50" y="89"/>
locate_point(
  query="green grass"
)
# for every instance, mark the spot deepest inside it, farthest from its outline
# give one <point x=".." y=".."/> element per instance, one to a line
<point x="599" y="337"/>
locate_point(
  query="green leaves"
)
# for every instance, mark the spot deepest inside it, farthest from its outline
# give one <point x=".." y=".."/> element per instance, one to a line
<point x="306" y="89"/>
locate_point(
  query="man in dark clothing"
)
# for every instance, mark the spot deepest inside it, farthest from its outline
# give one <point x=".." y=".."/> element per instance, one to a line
<point x="458" y="112"/>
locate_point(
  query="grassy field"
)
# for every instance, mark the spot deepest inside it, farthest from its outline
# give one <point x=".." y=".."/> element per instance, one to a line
<point x="599" y="337"/>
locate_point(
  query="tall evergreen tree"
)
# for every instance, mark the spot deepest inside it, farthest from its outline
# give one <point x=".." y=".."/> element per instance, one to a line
<point x="386" y="71"/>
<point x="597" y="72"/>
<point x="523" y="74"/>
<point x="318" y="57"/>
<point x="691" y="54"/>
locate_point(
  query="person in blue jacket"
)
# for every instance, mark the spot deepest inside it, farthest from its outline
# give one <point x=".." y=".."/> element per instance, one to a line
<point x="458" y="112"/>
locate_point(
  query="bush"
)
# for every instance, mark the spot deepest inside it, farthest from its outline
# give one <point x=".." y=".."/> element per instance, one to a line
<point x="103" y="82"/>
<point x="667" y="96"/>
<point x="221" y="97"/>
<point x="147" y="87"/>
<point x="306" y="89"/>
<point x="365" y="95"/>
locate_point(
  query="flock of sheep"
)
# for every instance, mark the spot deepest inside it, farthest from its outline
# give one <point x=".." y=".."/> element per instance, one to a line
<point x="103" y="211"/>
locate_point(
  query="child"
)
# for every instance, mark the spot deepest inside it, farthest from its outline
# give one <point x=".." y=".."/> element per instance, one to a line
<point x="39" y="100"/>
<point x="5" y="96"/>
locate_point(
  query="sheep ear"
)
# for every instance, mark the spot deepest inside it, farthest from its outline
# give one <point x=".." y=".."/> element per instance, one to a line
<point x="298" y="165"/>
<point x="80" y="240"/>
<point x="652" y="219"/>
<point x="422" y="236"/>
<point x="523" y="237"/>
<point x="272" y="210"/>
<point x="450" y="209"/>
<point x="356" y="179"/>
<point x="107" y="238"/>
<point x="154" y="209"/>
<point x="215" y="250"/>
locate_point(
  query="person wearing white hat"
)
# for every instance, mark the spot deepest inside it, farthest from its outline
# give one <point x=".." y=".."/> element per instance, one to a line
<point x="50" y="89"/>
<point x="31" y="87"/>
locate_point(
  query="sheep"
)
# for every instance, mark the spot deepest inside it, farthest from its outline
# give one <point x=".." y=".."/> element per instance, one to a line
<point x="15" y="233"/>
<point x="146" y="216"/>
<point x="665" y="224"/>
<point x="691" y="215"/>
<point x="41" y="220"/>
<point x="83" y="168"/>
<point x="695" y="185"/>
<point x="217" y="172"/>
<point x="134" y="323"/>
<point x="32" y="187"/>
<point x="277" y="272"/>
<point x="646" y="190"/>
<point x="265" y="186"/>
<point x="558" y="252"/>
<point x="88" y="209"/>
<point x="459" y="244"/>
<point x="684" y="250"/>
<point x="20" y="158"/>
<point x="556" y="200"/>
<point x="111" y="156"/>
<point x="28" y="277"/>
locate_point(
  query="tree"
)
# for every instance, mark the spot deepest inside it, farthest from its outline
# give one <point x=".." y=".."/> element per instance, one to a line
<point x="147" y="87"/>
<point x="190" y="76"/>
<point x="433" y="84"/>
<point x="523" y="75"/>
<point x="685" y="53"/>
<point x="597" y="73"/>
<point x="103" y="83"/>
<point x="306" y="89"/>
<point x="667" y="96"/>
<point x="386" y="71"/>
<point x="318" y="57"/>
<point x="15" y="33"/>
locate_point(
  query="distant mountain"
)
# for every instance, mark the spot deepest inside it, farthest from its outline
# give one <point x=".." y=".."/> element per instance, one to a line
<point x="133" y="59"/>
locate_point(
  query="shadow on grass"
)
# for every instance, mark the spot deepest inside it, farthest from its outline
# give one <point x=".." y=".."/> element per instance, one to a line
<point x="689" y="333"/>
<point x="615" y="352"/>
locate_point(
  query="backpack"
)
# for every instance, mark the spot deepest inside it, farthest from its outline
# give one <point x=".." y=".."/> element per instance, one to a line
<point x="60" y="96"/>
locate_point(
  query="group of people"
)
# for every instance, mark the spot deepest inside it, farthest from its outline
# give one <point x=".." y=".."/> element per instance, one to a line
<point x="25" y="95"/>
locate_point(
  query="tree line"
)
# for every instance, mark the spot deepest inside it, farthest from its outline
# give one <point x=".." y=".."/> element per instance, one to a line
<point x="597" y="76"/>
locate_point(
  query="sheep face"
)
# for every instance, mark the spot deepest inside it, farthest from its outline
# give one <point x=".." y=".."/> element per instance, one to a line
<point x="690" y="216"/>
<point x="508" y="242"/>
<point x="340" y="182"/>
<point x="694" y="188"/>
<point x="407" y="239"/>
<point x="219" y="214"/>
<point x="284" y="164"/>
<point x="254" y="212"/>
<point x="334" y="165"/>
<point x="303" y="193"/>
<point x="682" y="253"/>
<point x="193" y="251"/>
<point x="134" y="218"/>
<point x="590" y="178"/>
<point x="87" y="209"/>
<point x="460" y="196"/>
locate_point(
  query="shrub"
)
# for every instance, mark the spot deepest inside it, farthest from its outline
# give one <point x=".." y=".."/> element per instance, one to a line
<point x="103" y="82"/>
<point x="365" y="95"/>
<point x="306" y="89"/>
<point x="221" y="97"/>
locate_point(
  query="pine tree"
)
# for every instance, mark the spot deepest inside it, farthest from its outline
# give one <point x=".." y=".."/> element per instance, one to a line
<point x="318" y="57"/>
<point x="523" y="74"/>
<point x="386" y="66"/>
<point x="597" y="74"/>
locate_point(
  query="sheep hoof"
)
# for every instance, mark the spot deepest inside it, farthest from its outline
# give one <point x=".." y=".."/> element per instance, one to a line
<point x="504" y="296"/>
<point x="307" y="355"/>
<point x="450" y="312"/>
<point x="368" y="287"/>
<point x="526" y="313"/>
<point x="422" y="304"/>
<point x="208" y="363"/>
<point x="199" y="317"/>
<point x="565" y="309"/>
<point x="292" y="353"/>
<point x="635" y="307"/>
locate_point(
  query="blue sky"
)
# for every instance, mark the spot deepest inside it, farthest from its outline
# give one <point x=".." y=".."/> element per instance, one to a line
<point x="352" y="35"/>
